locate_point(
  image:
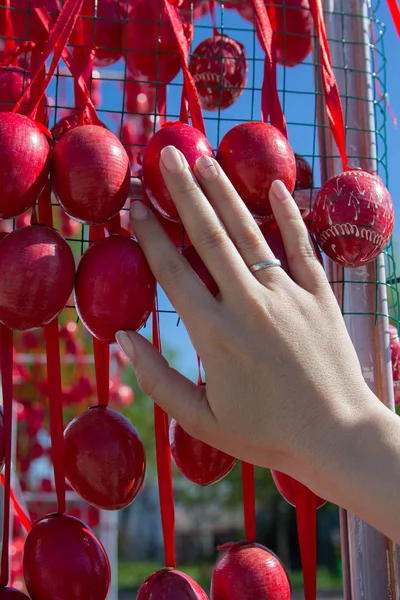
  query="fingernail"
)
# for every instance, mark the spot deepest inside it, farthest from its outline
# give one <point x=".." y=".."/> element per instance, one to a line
<point x="125" y="343"/>
<point x="279" y="189"/>
<point x="205" y="166"/>
<point x="139" y="211"/>
<point x="172" y="159"/>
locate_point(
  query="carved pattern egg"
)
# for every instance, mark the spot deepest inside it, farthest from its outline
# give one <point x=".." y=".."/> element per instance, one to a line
<point x="353" y="218"/>
<point x="219" y="69"/>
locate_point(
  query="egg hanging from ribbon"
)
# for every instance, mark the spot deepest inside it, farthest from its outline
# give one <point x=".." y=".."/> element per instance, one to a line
<point x="170" y="584"/>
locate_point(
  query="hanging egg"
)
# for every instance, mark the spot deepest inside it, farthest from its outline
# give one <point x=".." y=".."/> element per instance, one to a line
<point x="152" y="50"/>
<point x="103" y="27"/>
<point x="63" y="559"/>
<point x="219" y="69"/>
<point x="105" y="461"/>
<point x="37" y="276"/>
<point x="8" y="593"/>
<point x="68" y="122"/>
<point x="286" y="486"/>
<point x="395" y="353"/>
<point x="25" y="22"/>
<point x="200" y="463"/>
<point x="253" y="155"/>
<point x="292" y="24"/>
<point x="249" y="571"/>
<point x="24" y="163"/>
<point x="194" y="260"/>
<point x="353" y="218"/>
<point x="304" y="174"/>
<point x="170" y="584"/>
<point x="190" y="141"/>
<point x="114" y="288"/>
<point x="13" y="82"/>
<point x="90" y="174"/>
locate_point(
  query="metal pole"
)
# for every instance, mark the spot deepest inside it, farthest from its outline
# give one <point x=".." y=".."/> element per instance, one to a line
<point x="369" y="558"/>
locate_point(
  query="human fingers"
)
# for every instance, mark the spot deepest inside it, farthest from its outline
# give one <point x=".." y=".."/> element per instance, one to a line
<point x="186" y="292"/>
<point x="202" y="224"/>
<point x="303" y="263"/>
<point x="236" y="218"/>
<point x="174" y="393"/>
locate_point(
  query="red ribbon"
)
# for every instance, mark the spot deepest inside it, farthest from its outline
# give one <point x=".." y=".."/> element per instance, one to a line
<point x="395" y="12"/>
<point x="23" y="517"/>
<point x="270" y="104"/>
<point x="306" y="509"/>
<point x="191" y="95"/>
<point x="164" y="465"/>
<point x="7" y="389"/>
<point x="331" y="90"/>
<point x="249" y="502"/>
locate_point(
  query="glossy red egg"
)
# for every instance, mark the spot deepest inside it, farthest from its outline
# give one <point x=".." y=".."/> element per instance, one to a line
<point x="353" y="218"/>
<point x="395" y="354"/>
<point x="190" y="141"/>
<point x="13" y="83"/>
<point x="90" y="174"/>
<point x="286" y="486"/>
<point x="170" y="584"/>
<point x="103" y="24"/>
<point x="253" y="155"/>
<point x="68" y="122"/>
<point x="37" y="276"/>
<point x="8" y="593"/>
<point x="153" y="53"/>
<point x="292" y="23"/>
<point x="105" y="461"/>
<point x="63" y="559"/>
<point x="249" y="571"/>
<point x="304" y="174"/>
<point x="24" y="163"/>
<point x="114" y="288"/>
<point x="191" y="255"/>
<point x="219" y="69"/>
<point x="200" y="463"/>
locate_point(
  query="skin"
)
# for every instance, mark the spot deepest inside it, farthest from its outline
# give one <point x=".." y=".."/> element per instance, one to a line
<point x="284" y="385"/>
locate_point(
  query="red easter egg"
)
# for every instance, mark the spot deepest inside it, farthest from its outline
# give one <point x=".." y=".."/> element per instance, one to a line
<point x="292" y="23"/>
<point x="13" y="83"/>
<point x="200" y="463"/>
<point x="395" y="353"/>
<point x="103" y="26"/>
<point x="24" y="163"/>
<point x="219" y="69"/>
<point x="253" y="155"/>
<point x="90" y="174"/>
<point x="170" y="584"/>
<point x="190" y="141"/>
<point x="286" y="486"/>
<point x="68" y="122"/>
<point x="304" y="174"/>
<point x="12" y="594"/>
<point x="114" y="288"/>
<point x="153" y="51"/>
<point x="353" y="218"/>
<point x="63" y="559"/>
<point x="37" y="276"/>
<point x="105" y="461"/>
<point x="2" y="447"/>
<point x="26" y="24"/>
<point x="249" y="571"/>
<point x="191" y="255"/>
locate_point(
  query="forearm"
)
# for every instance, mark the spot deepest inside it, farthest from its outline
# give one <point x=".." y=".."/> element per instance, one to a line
<point x="362" y="473"/>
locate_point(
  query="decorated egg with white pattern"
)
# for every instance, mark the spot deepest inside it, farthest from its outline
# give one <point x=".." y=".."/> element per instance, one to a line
<point x="353" y="218"/>
<point x="219" y="69"/>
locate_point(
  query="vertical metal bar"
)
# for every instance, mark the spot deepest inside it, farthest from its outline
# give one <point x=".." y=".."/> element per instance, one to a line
<point x="369" y="558"/>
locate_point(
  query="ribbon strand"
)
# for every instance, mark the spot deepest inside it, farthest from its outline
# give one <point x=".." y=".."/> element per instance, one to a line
<point x="249" y="502"/>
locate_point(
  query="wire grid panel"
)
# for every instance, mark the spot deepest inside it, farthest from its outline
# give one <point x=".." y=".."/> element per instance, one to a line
<point x="298" y="89"/>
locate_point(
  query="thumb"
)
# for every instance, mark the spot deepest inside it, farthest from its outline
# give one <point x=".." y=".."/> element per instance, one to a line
<point x="183" y="400"/>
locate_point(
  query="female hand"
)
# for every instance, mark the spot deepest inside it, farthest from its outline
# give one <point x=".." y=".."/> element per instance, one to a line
<point x="284" y="385"/>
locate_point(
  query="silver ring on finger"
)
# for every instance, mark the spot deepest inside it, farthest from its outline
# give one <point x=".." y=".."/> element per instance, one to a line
<point x="265" y="264"/>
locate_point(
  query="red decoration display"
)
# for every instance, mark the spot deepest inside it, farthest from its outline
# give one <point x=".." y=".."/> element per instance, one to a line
<point x="219" y="69"/>
<point x="38" y="269"/>
<point x="200" y="269"/>
<point x="63" y="559"/>
<point x="105" y="461"/>
<point x="292" y="23"/>
<point x="304" y="174"/>
<point x="13" y="82"/>
<point x="114" y="272"/>
<point x="249" y="572"/>
<point x="24" y="163"/>
<point x="253" y="155"/>
<point x="191" y="142"/>
<point x="90" y="174"/>
<point x="66" y="123"/>
<point x="200" y="463"/>
<point x="105" y="30"/>
<point x="353" y="218"/>
<point x="169" y="584"/>
<point x="286" y="486"/>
